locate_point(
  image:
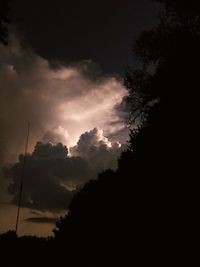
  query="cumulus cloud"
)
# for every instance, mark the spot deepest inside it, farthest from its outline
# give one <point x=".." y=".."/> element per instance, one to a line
<point x="60" y="102"/>
<point x="98" y="150"/>
<point x="49" y="151"/>
<point x="52" y="176"/>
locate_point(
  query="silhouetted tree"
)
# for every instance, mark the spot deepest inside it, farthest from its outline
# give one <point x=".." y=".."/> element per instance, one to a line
<point x="168" y="86"/>
<point x="154" y="193"/>
<point x="4" y="9"/>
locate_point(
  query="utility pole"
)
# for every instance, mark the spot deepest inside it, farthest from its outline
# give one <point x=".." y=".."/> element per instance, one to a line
<point x="22" y="180"/>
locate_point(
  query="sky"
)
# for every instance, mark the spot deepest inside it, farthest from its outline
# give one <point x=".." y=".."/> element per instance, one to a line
<point x="72" y="31"/>
<point x="62" y="71"/>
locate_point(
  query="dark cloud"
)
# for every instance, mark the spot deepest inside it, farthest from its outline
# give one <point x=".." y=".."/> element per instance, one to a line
<point x="77" y="30"/>
<point x="52" y="177"/>
<point x="121" y="134"/>
<point x="51" y="220"/>
<point x="49" y="151"/>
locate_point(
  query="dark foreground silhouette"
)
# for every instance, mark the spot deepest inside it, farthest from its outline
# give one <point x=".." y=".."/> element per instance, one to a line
<point x="33" y="251"/>
<point x="148" y="211"/>
<point x="154" y="194"/>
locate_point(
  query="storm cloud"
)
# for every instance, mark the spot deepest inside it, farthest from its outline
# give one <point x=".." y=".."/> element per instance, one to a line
<point x="100" y="152"/>
<point x="60" y="102"/>
<point x="76" y="126"/>
<point x="51" y="220"/>
<point x="52" y="176"/>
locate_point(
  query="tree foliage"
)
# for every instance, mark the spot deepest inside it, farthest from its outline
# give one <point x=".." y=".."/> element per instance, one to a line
<point x="154" y="193"/>
<point x="4" y="9"/>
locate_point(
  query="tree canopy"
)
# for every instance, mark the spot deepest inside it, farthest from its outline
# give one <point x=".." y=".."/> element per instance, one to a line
<point x="155" y="187"/>
<point x="4" y="9"/>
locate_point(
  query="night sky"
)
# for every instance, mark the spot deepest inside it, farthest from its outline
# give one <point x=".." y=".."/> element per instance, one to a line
<point x="63" y="72"/>
<point x="72" y="31"/>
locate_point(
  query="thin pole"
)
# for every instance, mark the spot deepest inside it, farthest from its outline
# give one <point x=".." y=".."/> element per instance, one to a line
<point x="22" y="180"/>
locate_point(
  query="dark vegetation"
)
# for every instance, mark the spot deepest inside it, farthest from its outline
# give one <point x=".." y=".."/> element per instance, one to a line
<point x="149" y="209"/>
<point x="4" y="20"/>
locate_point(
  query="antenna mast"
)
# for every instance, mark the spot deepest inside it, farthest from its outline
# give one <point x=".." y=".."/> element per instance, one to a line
<point x="22" y="180"/>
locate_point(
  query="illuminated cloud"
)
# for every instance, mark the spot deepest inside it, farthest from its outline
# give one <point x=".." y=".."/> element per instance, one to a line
<point x="60" y="103"/>
<point x="63" y="105"/>
<point x="100" y="152"/>
<point x="56" y="135"/>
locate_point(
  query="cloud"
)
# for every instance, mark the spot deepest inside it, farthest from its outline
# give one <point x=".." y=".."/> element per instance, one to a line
<point x="63" y="103"/>
<point x="51" y="220"/>
<point x="49" y="151"/>
<point x="8" y="221"/>
<point x="60" y="102"/>
<point x="98" y="150"/>
<point x="52" y="176"/>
